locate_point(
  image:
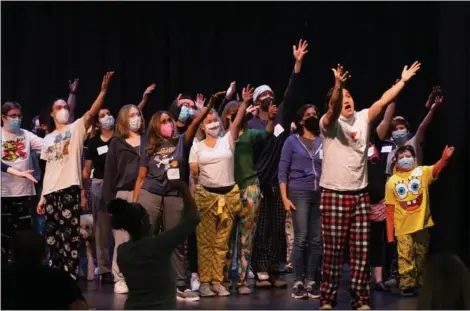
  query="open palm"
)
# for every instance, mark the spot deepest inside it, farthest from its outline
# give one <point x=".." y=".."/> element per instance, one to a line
<point x="300" y="51"/>
<point x="408" y="73"/>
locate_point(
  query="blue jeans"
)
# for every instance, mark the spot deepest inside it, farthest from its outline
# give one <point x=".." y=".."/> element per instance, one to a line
<point x="307" y="233"/>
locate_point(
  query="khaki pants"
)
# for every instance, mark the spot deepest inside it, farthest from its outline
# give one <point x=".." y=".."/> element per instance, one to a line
<point x="213" y="232"/>
<point x="120" y="236"/>
<point x="412" y="249"/>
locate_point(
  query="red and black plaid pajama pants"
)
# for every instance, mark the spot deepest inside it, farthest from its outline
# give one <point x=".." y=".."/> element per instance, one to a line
<point x="345" y="215"/>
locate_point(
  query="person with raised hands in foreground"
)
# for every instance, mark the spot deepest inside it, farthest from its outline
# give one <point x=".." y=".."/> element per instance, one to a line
<point x="408" y="213"/>
<point x="62" y="150"/>
<point x="344" y="199"/>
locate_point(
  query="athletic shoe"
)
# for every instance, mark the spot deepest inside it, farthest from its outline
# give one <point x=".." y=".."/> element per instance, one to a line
<point x="251" y="275"/>
<point x="381" y="287"/>
<point x="298" y="291"/>
<point x="195" y="283"/>
<point x="220" y="290"/>
<point x="312" y="290"/>
<point x="120" y="287"/>
<point x="244" y="290"/>
<point x="185" y="294"/>
<point x="206" y="291"/>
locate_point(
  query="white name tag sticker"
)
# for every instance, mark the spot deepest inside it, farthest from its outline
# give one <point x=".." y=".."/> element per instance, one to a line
<point x="278" y="129"/>
<point x="320" y="153"/>
<point x="370" y="151"/>
<point x="173" y="173"/>
<point x="102" y="150"/>
<point x="386" y="149"/>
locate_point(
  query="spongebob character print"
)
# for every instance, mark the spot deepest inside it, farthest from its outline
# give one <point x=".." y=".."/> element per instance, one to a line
<point x="63" y="229"/>
<point x="408" y="192"/>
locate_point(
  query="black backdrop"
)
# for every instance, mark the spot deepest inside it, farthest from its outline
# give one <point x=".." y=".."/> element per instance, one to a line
<point x="195" y="47"/>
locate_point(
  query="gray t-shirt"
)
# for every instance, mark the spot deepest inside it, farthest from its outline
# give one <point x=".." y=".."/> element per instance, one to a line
<point x="419" y="155"/>
<point x="156" y="181"/>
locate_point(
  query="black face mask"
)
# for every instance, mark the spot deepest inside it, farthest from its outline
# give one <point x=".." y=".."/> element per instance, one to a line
<point x="39" y="132"/>
<point x="265" y="103"/>
<point x="312" y="124"/>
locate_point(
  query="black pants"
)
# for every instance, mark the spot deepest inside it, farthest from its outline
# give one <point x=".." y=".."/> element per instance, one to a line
<point x="16" y="217"/>
<point x="270" y="238"/>
<point x="192" y="253"/>
<point x="63" y="229"/>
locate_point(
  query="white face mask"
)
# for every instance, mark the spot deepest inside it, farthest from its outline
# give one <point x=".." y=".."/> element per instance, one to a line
<point x="135" y="123"/>
<point x="212" y="129"/>
<point x="107" y="122"/>
<point x="62" y="116"/>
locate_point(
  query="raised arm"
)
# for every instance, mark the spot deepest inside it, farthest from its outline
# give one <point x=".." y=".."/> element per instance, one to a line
<point x="228" y="96"/>
<point x="95" y="108"/>
<point x="442" y="163"/>
<point x="247" y="95"/>
<point x="290" y="103"/>
<point x="192" y="128"/>
<point x="432" y="97"/>
<point x="427" y="120"/>
<point x="384" y="126"/>
<point x="145" y="96"/>
<point x="392" y="93"/>
<point x="72" y="100"/>
<point x="336" y="100"/>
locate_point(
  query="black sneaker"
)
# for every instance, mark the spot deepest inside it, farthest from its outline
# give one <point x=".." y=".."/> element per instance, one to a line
<point x="312" y="290"/>
<point x="298" y="291"/>
<point x="381" y="287"/>
<point x="408" y="292"/>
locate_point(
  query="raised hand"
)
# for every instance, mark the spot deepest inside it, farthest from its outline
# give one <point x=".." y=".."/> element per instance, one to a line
<point x="432" y="97"/>
<point x="213" y="98"/>
<point x="408" y="73"/>
<point x="106" y="79"/>
<point x="73" y="86"/>
<point x="437" y="101"/>
<point x="200" y="101"/>
<point x="272" y="111"/>
<point x="300" y="51"/>
<point x="447" y="153"/>
<point x="340" y="76"/>
<point x="179" y="102"/>
<point x="247" y="93"/>
<point x="252" y="109"/>
<point x="149" y="90"/>
<point x="231" y="90"/>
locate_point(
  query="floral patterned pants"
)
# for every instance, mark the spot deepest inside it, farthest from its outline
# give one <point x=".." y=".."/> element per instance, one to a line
<point x="246" y="224"/>
<point x="63" y="229"/>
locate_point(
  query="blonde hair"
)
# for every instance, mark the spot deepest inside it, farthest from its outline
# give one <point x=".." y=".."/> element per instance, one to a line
<point x="122" y="123"/>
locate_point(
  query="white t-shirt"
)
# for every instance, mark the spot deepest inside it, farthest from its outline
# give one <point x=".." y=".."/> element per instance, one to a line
<point x="345" y="153"/>
<point x="215" y="164"/>
<point x="419" y="155"/>
<point x="18" y="152"/>
<point x="63" y="153"/>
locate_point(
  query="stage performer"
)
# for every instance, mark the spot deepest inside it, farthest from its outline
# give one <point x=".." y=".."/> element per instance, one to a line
<point x="344" y="197"/>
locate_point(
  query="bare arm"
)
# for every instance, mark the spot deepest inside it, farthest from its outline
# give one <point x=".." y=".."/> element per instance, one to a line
<point x="384" y="126"/>
<point x="426" y="121"/>
<point x="247" y="95"/>
<point x="392" y="93"/>
<point x="86" y="173"/>
<point x="194" y="170"/>
<point x="95" y="108"/>
<point x="139" y="182"/>
<point x="145" y="97"/>
<point x="72" y="100"/>
<point x="336" y="100"/>
<point x="192" y="128"/>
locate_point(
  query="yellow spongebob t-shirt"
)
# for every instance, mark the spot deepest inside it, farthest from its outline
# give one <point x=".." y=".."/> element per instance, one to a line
<point x="409" y="193"/>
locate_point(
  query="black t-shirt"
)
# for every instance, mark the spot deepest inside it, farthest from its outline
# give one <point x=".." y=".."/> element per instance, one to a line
<point x="377" y="154"/>
<point x="38" y="288"/>
<point x="96" y="150"/>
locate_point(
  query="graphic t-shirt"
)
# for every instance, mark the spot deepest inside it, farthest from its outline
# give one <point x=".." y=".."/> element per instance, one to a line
<point x="245" y="160"/>
<point x="97" y="149"/>
<point x="345" y="153"/>
<point x="158" y="164"/>
<point x="215" y="164"/>
<point x="18" y="151"/>
<point x="409" y="193"/>
<point x="63" y="153"/>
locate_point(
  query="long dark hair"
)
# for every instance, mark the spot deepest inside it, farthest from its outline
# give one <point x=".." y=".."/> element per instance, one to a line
<point x="127" y="216"/>
<point x="299" y="116"/>
<point x="154" y="135"/>
<point x="446" y="284"/>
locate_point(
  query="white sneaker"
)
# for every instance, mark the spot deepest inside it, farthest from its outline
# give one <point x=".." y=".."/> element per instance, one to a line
<point x="120" y="287"/>
<point x="187" y="295"/>
<point x="195" y="283"/>
<point x="251" y="275"/>
<point x="263" y="276"/>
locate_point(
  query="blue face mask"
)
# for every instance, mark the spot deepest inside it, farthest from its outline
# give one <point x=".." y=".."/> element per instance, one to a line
<point x="406" y="163"/>
<point x="184" y="114"/>
<point x="400" y="136"/>
<point x="13" y="124"/>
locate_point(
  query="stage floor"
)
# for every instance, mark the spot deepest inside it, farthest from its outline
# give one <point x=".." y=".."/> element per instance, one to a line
<point x="102" y="297"/>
